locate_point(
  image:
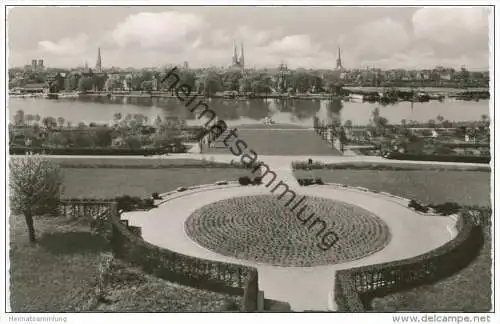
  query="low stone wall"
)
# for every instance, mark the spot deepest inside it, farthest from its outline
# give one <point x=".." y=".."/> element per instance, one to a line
<point x="356" y="287"/>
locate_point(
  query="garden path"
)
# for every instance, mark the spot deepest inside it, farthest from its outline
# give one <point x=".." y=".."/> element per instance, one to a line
<point x="305" y="288"/>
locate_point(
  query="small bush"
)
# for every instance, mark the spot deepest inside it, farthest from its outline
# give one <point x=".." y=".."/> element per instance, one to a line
<point x="319" y="181"/>
<point x="418" y="207"/>
<point x="244" y="181"/>
<point x="156" y="195"/>
<point x="447" y="208"/>
<point x="306" y="181"/>
<point x="221" y="183"/>
<point x="257" y="181"/>
<point x="181" y="189"/>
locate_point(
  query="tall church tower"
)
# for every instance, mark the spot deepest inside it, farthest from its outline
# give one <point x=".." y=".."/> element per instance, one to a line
<point x="98" y="64"/>
<point x="235" y="56"/>
<point x="242" y="57"/>
<point x="339" y="61"/>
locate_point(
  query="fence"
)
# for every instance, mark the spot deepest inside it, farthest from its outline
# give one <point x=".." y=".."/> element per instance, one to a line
<point x="356" y="287"/>
<point x="126" y="243"/>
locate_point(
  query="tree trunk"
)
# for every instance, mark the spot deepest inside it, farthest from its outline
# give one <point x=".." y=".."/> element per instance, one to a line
<point x="31" y="228"/>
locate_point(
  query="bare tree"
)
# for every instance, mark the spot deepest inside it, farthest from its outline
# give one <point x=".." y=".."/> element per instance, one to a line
<point x="35" y="188"/>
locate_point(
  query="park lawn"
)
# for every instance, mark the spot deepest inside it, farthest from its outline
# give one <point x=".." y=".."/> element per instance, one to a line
<point x="426" y="186"/>
<point x="466" y="290"/>
<point x="110" y="183"/>
<point x="58" y="274"/>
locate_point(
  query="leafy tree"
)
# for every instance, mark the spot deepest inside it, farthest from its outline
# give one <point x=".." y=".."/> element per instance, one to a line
<point x="29" y="118"/>
<point x="212" y="85"/>
<point x="103" y="136"/>
<point x="19" y="118"/>
<point x="133" y="142"/>
<point x="157" y="122"/>
<point x="35" y="188"/>
<point x="117" y="117"/>
<point x="49" y="122"/>
<point x="60" y="121"/>
<point x="85" y="84"/>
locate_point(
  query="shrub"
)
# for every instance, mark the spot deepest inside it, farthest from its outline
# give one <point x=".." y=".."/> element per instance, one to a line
<point x="257" y="180"/>
<point x="156" y="195"/>
<point x="319" y="181"/>
<point x="181" y="189"/>
<point x="127" y="203"/>
<point x="306" y="181"/>
<point x="447" y="208"/>
<point x="418" y="207"/>
<point x="221" y="183"/>
<point x="244" y="181"/>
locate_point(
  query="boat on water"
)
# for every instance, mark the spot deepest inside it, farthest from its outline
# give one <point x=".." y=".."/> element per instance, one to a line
<point x="269" y="121"/>
<point x="422" y="97"/>
<point x="354" y="97"/>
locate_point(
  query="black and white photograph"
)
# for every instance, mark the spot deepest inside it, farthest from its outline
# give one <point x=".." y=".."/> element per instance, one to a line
<point x="283" y="158"/>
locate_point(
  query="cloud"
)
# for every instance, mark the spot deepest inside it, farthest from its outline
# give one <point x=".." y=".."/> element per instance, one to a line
<point x="168" y="29"/>
<point x="65" y="46"/>
<point x="450" y="25"/>
<point x="377" y="39"/>
<point x="294" y="46"/>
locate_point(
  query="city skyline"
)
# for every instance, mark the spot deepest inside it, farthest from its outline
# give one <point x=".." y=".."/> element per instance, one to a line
<point x="409" y="38"/>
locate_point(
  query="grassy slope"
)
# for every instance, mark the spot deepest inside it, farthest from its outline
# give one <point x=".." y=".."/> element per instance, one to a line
<point x="57" y="275"/>
<point x="128" y="289"/>
<point x="468" y="289"/>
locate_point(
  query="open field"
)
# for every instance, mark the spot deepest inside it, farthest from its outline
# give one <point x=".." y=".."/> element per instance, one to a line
<point x="463" y="187"/>
<point x="109" y="183"/>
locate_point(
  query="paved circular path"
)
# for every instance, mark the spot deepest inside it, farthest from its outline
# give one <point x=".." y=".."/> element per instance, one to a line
<point x="305" y="288"/>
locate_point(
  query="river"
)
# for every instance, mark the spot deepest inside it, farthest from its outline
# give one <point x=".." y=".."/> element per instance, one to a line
<point x="236" y="112"/>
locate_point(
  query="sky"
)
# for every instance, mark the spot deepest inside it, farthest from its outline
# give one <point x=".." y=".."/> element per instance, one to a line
<point x="308" y="37"/>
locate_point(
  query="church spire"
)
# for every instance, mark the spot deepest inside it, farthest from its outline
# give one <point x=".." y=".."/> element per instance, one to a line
<point x="242" y="57"/>
<point x="235" y="55"/>
<point x="98" y="64"/>
<point x="339" y="61"/>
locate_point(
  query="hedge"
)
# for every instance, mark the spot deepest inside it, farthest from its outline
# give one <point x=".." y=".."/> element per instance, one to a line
<point x="310" y="181"/>
<point x="92" y="151"/>
<point x="439" y="158"/>
<point x="356" y="287"/>
<point x="126" y="243"/>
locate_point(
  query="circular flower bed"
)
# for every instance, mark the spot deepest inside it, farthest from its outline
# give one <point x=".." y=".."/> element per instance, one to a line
<point x="262" y="229"/>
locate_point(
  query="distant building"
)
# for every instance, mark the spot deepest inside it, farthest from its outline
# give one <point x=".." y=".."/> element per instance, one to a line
<point x="40" y="64"/>
<point x="186" y="65"/>
<point x="34" y="64"/>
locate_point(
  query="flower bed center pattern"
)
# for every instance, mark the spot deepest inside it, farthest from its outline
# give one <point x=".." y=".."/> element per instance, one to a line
<point x="262" y="229"/>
